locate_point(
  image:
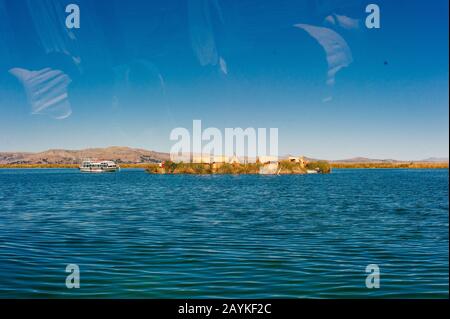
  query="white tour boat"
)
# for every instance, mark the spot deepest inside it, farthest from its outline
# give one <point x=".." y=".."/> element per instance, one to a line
<point x="98" y="167"/>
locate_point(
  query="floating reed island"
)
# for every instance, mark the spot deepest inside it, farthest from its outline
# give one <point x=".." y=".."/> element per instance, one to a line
<point x="283" y="167"/>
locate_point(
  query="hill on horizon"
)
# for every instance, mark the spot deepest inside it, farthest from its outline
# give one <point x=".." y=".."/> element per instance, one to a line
<point x="372" y="160"/>
<point x="118" y="154"/>
<point x="128" y="155"/>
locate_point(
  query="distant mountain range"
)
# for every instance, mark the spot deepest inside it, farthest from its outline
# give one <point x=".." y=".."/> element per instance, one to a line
<point x="115" y="153"/>
<point x="129" y="155"/>
<point x="372" y="160"/>
<point x="436" y="159"/>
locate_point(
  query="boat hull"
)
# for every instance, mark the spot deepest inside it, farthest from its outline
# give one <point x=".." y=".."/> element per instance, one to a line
<point x="98" y="170"/>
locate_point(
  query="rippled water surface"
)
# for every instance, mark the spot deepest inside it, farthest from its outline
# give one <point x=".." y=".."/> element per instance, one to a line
<point x="136" y="235"/>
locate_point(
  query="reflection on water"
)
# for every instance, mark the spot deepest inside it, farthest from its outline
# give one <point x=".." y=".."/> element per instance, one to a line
<point x="139" y="235"/>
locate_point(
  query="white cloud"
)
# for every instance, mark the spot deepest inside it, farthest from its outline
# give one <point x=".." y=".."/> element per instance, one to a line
<point x="46" y="91"/>
<point x="223" y="66"/>
<point x="337" y="51"/>
<point x="48" y="18"/>
<point x="203" y="40"/>
<point x="342" y="21"/>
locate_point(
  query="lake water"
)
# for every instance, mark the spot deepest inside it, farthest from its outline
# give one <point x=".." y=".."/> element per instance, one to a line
<point x="136" y="235"/>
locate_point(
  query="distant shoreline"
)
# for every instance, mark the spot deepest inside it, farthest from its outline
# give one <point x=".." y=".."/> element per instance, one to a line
<point x="401" y="165"/>
<point x="128" y="157"/>
<point x="411" y="165"/>
<point x="75" y="166"/>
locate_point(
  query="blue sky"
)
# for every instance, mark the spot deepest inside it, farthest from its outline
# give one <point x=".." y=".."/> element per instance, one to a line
<point x="137" y="69"/>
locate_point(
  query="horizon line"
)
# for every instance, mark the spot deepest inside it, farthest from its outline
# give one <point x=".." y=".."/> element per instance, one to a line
<point x="428" y="158"/>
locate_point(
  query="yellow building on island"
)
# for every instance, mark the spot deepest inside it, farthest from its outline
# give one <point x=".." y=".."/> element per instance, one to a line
<point x="298" y="159"/>
<point x="266" y="159"/>
<point x="215" y="159"/>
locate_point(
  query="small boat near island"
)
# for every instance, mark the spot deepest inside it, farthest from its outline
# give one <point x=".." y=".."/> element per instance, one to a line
<point x="89" y="166"/>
